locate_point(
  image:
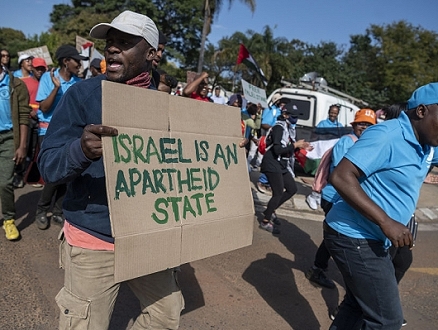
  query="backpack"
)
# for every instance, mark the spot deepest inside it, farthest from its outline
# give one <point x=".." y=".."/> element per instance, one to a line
<point x="265" y="142"/>
<point x="323" y="172"/>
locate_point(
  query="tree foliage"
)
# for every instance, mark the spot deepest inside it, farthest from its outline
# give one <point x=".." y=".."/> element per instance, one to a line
<point x="210" y="9"/>
<point x="180" y="21"/>
<point x="381" y="66"/>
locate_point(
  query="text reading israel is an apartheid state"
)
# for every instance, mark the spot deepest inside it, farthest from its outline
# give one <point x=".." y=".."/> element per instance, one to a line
<point x="195" y="183"/>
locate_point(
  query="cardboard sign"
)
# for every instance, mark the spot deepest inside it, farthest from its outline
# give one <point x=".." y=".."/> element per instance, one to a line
<point x="254" y="94"/>
<point x="42" y="52"/>
<point x="177" y="183"/>
<point x="190" y="76"/>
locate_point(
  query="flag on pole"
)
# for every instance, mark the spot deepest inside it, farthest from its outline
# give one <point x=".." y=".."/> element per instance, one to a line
<point x="246" y="58"/>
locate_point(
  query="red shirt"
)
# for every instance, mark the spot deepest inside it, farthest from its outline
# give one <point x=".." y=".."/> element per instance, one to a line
<point x="32" y="87"/>
<point x="199" y="97"/>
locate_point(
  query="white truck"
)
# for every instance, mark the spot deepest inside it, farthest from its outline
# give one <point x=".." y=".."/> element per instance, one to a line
<point x="313" y="101"/>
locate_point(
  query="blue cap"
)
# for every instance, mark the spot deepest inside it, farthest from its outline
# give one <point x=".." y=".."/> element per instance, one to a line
<point x="427" y="94"/>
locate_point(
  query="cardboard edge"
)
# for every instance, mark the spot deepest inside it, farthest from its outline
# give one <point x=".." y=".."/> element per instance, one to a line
<point x="144" y="246"/>
<point x="233" y="234"/>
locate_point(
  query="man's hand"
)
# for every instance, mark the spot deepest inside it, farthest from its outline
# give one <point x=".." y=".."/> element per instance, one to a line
<point x="243" y="142"/>
<point x="20" y="155"/>
<point x="302" y="144"/>
<point x="204" y="76"/>
<point x="397" y="233"/>
<point x="259" y="108"/>
<point x="91" y="139"/>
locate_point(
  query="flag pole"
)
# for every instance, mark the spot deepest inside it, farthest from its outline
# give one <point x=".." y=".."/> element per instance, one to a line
<point x="234" y="77"/>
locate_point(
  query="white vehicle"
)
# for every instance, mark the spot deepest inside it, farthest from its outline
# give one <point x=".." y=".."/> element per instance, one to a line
<point x="313" y="99"/>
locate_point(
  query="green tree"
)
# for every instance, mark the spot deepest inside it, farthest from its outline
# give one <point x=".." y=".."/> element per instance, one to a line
<point x="388" y="62"/>
<point x="180" y="21"/>
<point x="408" y="56"/>
<point x="271" y="54"/>
<point x="14" y="41"/>
<point x="212" y="8"/>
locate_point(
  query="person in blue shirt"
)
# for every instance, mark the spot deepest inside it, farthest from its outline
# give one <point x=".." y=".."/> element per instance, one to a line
<point x="332" y="120"/>
<point x="362" y="119"/>
<point x="14" y="121"/>
<point x="379" y="182"/>
<point x="5" y="60"/>
<point x="53" y="85"/>
<point x="25" y="66"/>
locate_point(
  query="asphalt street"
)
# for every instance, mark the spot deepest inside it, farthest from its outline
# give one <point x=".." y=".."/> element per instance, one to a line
<point x="257" y="287"/>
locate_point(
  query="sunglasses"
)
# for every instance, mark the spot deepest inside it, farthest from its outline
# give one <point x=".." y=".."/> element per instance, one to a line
<point x="5" y="55"/>
<point x="363" y="124"/>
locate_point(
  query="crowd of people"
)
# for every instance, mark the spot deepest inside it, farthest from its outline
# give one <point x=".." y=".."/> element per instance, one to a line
<point x="368" y="202"/>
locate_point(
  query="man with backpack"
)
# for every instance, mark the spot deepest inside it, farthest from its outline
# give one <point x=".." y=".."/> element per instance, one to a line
<point x="269" y="118"/>
<point x="278" y="164"/>
<point x="363" y="118"/>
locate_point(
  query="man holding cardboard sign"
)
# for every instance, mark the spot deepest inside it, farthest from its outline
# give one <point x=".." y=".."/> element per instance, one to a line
<point x="72" y="153"/>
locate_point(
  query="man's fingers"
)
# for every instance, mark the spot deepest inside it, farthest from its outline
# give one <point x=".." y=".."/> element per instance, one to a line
<point x="101" y="130"/>
<point x="408" y="240"/>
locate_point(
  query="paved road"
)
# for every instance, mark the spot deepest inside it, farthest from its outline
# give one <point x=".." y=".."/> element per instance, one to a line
<point x="258" y="287"/>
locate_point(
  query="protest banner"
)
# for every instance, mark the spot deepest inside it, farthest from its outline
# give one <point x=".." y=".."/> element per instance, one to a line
<point x="42" y="52"/>
<point x="254" y="94"/>
<point x="191" y="76"/>
<point x="177" y="183"/>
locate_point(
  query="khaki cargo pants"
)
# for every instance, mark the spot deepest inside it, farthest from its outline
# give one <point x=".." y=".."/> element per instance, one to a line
<point x="87" y="299"/>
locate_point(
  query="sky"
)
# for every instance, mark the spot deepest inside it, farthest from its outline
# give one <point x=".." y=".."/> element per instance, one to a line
<point x="309" y="21"/>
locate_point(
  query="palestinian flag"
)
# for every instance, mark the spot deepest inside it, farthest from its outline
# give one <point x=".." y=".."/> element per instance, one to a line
<point x="321" y="139"/>
<point x="246" y="58"/>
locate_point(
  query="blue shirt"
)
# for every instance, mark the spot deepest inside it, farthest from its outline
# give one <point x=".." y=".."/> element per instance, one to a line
<point x="341" y="147"/>
<point x="327" y="123"/>
<point x="269" y="115"/>
<point x="44" y="89"/>
<point x="19" y="74"/>
<point x="5" y="105"/>
<point x="395" y="166"/>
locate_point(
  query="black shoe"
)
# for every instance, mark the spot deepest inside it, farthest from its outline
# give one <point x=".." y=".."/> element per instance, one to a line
<point x="42" y="221"/>
<point x="58" y="219"/>
<point x="404" y="323"/>
<point x="333" y="313"/>
<point x="18" y="182"/>
<point x="275" y="219"/>
<point x="317" y="276"/>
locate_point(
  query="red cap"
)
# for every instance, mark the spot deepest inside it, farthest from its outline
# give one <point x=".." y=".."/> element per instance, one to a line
<point x="38" y="61"/>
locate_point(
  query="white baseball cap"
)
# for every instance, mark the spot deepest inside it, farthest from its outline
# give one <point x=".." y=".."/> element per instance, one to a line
<point x="24" y="57"/>
<point x="131" y="23"/>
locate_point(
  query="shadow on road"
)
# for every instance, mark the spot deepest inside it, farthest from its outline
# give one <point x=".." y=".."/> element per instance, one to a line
<point x="26" y="206"/>
<point x="300" y="244"/>
<point x="274" y="280"/>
